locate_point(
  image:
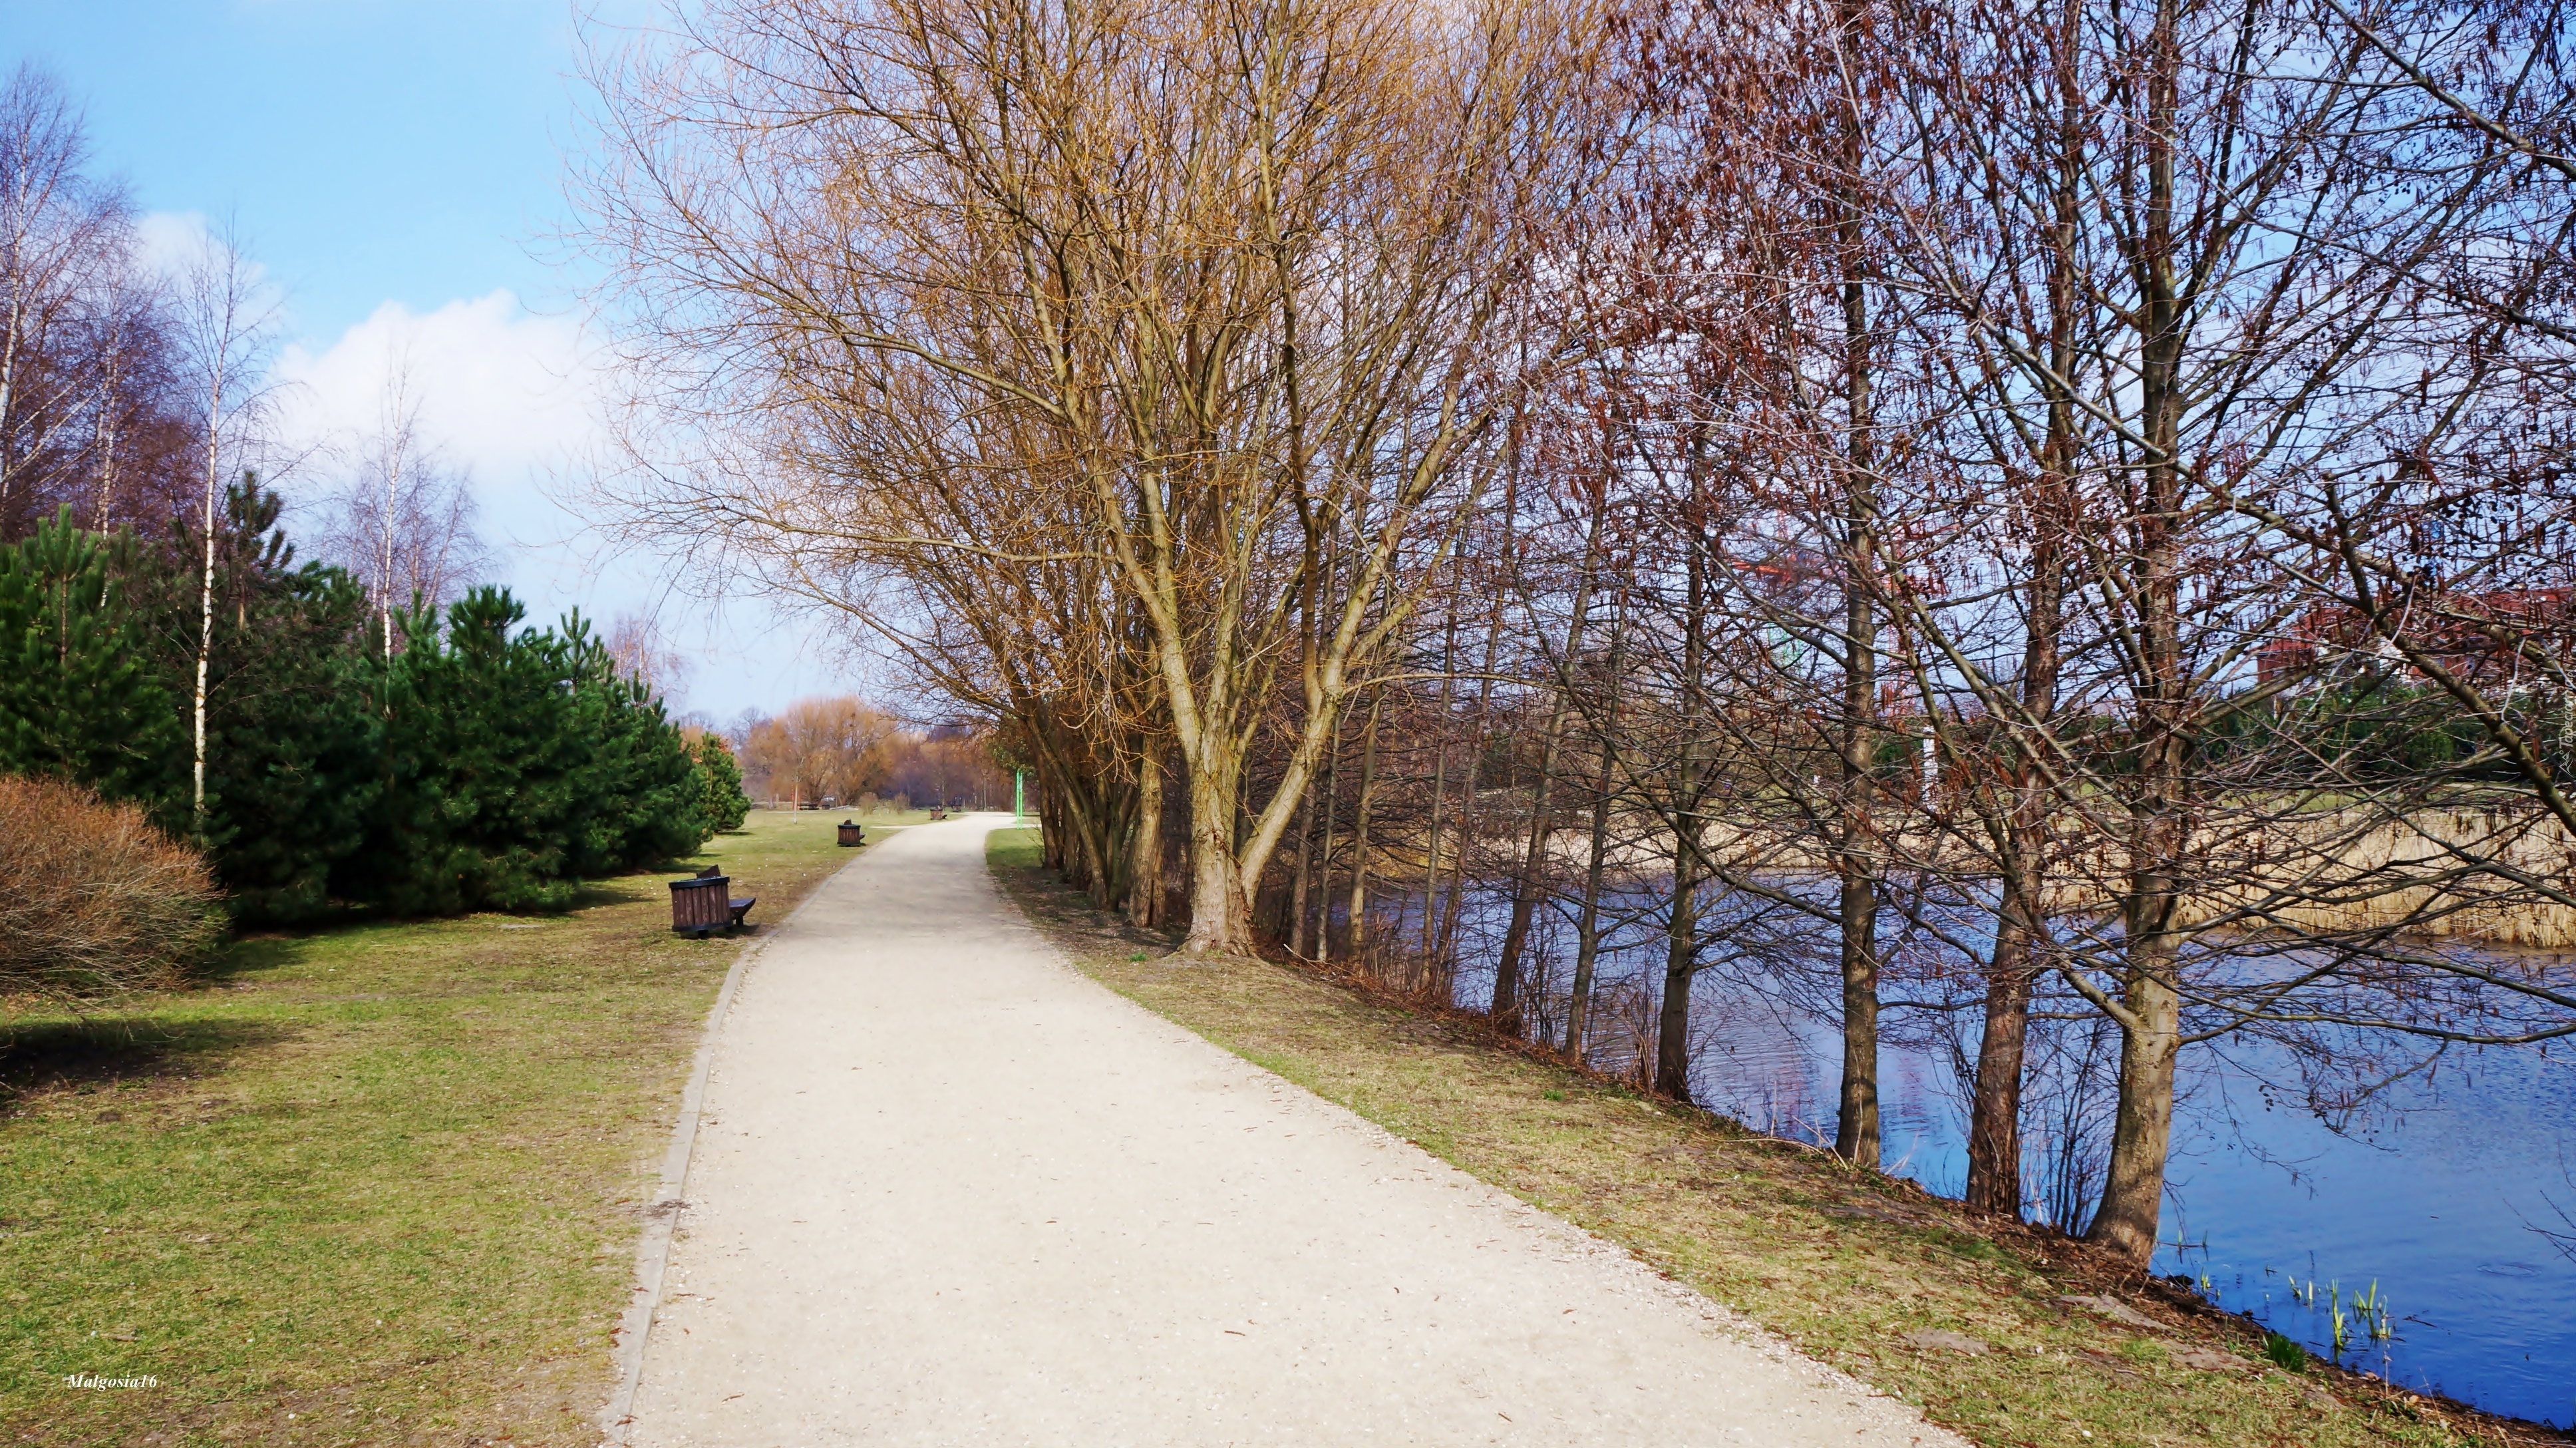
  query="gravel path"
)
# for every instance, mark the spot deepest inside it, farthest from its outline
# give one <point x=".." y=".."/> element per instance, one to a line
<point x="945" y="1190"/>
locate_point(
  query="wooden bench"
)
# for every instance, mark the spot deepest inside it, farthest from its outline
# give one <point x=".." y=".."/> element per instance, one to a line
<point x="701" y="906"/>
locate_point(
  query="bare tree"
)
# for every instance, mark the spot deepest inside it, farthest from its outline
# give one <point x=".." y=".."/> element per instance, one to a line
<point x="642" y="651"/>
<point x="2175" y="278"/>
<point x="58" y="231"/>
<point x="1217" y="362"/>
<point x="1971" y="507"/>
<point x="828" y="747"/>
<point x="226" y="322"/>
<point x="403" y="519"/>
<point x="92" y="411"/>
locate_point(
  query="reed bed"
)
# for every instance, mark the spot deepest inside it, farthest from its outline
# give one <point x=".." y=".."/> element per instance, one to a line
<point x="2473" y="873"/>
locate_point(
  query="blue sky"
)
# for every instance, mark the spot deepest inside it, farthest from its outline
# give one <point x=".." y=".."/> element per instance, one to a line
<point x="395" y="166"/>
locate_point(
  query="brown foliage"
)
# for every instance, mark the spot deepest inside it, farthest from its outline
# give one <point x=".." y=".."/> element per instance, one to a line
<point x="93" y="899"/>
<point x="949" y="767"/>
<point x="834" y="747"/>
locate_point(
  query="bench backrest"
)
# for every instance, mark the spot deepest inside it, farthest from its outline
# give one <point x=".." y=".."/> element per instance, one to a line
<point x="700" y="902"/>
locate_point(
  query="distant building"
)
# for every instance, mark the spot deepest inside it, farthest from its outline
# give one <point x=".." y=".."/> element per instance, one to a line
<point x="2471" y="635"/>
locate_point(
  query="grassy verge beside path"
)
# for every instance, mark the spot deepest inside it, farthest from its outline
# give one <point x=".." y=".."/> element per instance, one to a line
<point x="1866" y="1272"/>
<point x="377" y="1184"/>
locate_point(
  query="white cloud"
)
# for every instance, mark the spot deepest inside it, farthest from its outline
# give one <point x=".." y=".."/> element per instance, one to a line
<point x="503" y="392"/>
<point x="172" y="244"/>
<point x="513" y="398"/>
<point x="169" y="242"/>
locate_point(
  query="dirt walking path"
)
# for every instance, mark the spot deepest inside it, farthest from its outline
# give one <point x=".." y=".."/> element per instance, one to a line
<point x="945" y="1190"/>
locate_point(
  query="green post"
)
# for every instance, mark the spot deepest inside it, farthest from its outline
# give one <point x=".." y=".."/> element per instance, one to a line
<point x="1016" y="811"/>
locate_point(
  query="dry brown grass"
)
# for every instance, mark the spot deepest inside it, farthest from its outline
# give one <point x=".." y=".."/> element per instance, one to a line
<point x="2426" y="845"/>
<point x="2332" y="871"/>
<point x="94" y="900"/>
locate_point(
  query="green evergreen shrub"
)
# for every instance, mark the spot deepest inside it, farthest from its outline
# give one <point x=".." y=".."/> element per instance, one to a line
<point x="480" y="767"/>
<point x="483" y="766"/>
<point x="516" y="763"/>
<point x="643" y="794"/>
<point x="291" y="746"/>
<point x="727" y="806"/>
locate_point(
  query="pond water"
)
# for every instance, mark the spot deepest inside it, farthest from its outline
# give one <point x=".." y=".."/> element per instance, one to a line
<point x="2425" y="1208"/>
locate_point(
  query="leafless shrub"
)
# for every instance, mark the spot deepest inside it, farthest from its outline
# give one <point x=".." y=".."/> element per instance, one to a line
<point x="93" y="899"/>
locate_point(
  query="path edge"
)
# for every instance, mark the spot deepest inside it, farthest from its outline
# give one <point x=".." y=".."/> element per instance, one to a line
<point x="1713" y="1314"/>
<point x="661" y="1219"/>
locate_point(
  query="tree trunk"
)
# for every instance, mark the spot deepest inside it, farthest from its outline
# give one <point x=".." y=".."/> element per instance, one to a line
<point x="1440" y="777"/>
<point x="205" y="654"/>
<point x="1856" y="1120"/>
<point x="1994" y="1120"/>
<point x="109" y="405"/>
<point x="1356" y="935"/>
<point x="1300" y="889"/>
<point x="1145" y="873"/>
<point x="1681" y="961"/>
<point x="1220" y="910"/>
<point x="9" y="348"/>
<point x="1469" y="816"/>
<point x="1689" y="788"/>
<point x="2142" y="1130"/>
<point x="1856" y="1126"/>
<point x="1323" y="928"/>
<point x="1050" y="826"/>
<point x="205" y="621"/>
<point x="1469" y="821"/>
<point x="2133" y="1193"/>
<point x="1587" y="931"/>
<point x="1525" y="886"/>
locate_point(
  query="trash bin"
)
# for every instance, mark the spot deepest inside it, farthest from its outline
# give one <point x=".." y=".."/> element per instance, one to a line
<point x="853" y="834"/>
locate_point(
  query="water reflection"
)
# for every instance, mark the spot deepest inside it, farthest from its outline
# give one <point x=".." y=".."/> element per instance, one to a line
<point x="2420" y="1216"/>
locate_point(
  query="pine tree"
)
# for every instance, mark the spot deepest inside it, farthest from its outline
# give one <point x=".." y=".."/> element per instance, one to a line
<point x="726" y="804"/>
<point x="291" y="747"/>
<point x="79" y="699"/>
<point x="643" y="794"/>
<point x="483" y="766"/>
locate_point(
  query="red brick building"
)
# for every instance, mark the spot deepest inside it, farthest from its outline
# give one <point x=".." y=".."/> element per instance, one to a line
<point x="2471" y="635"/>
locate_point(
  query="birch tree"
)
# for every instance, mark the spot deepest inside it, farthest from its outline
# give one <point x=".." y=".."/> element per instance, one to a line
<point x="404" y="519"/>
<point x="226" y="319"/>
<point x="86" y="375"/>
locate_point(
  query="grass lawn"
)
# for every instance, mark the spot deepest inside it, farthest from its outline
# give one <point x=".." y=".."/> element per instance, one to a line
<point x="1843" y="1264"/>
<point x="375" y="1184"/>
